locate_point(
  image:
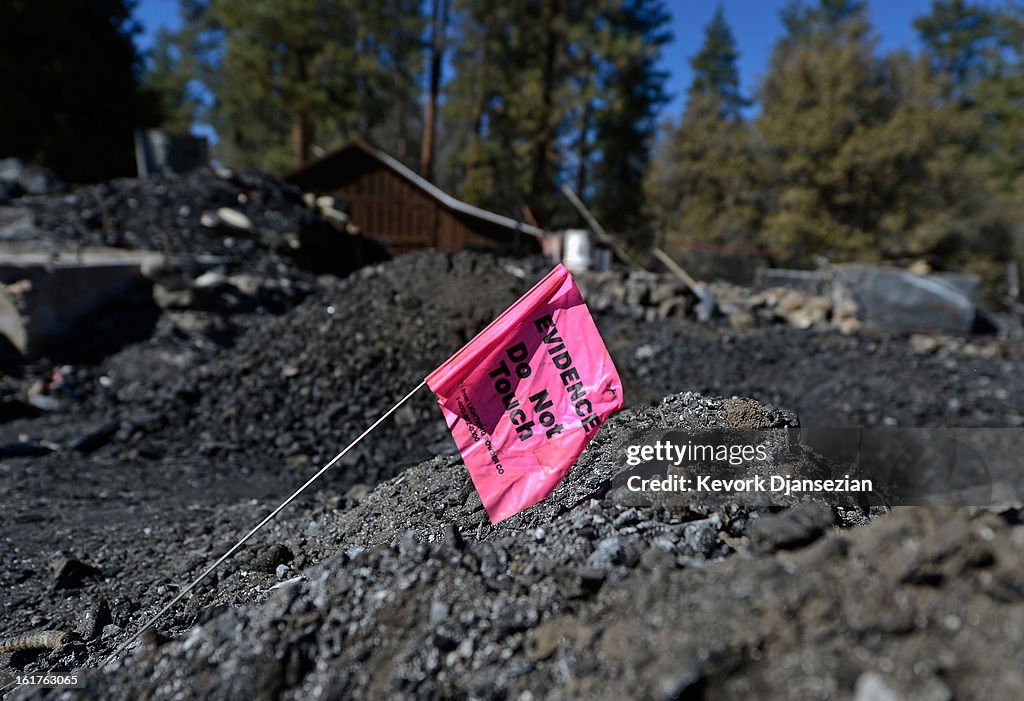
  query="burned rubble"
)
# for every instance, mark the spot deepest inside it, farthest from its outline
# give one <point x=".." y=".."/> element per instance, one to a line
<point x="410" y="591"/>
<point x="214" y="244"/>
<point x="18" y="178"/>
<point x="243" y="221"/>
<point x="476" y="619"/>
<point x="144" y="465"/>
<point x="292" y="387"/>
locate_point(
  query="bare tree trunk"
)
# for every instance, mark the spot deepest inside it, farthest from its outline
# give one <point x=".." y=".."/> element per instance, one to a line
<point x="545" y="141"/>
<point x="301" y="138"/>
<point x="437" y="42"/>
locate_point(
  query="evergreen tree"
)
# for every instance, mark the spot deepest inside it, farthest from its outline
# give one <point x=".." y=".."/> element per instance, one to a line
<point x="714" y="68"/>
<point x="482" y="157"/>
<point x="626" y="125"/>
<point x="914" y="175"/>
<point x="438" y="31"/>
<point x="866" y="159"/>
<point x="69" y="71"/>
<point x="979" y="51"/>
<point x="546" y="92"/>
<point x="288" y="75"/>
<point x="961" y="42"/>
<point x="802" y="21"/>
<point x="824" y="86"/>
<point x="167" y="83"/>
<point x="704" y="182"/>
<point x="585" y="94"/>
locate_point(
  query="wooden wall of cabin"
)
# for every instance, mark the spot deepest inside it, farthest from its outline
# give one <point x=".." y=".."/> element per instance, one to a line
<point x="388" y="208"/>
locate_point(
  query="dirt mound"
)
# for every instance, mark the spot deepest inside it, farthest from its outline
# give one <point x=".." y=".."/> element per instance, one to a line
<point x="145" y="466"/>
<point x="289" y="391"/>
<point x="414" y="594"/>
<point x="301" y="386"/>
<point x="623" y="619"/>
<point x="292" y="390"/>
<point x="828" y="379"/>
<point x="248" y="220"/>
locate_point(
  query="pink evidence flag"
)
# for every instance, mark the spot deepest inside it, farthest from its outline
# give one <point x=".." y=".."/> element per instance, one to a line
<point x="526" y="395"/>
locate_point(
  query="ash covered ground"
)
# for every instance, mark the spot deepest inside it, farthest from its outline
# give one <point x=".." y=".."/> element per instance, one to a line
<point x="386" y="579"/>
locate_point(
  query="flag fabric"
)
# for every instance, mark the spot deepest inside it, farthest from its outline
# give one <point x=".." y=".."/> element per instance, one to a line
<point x="526" y="395"/>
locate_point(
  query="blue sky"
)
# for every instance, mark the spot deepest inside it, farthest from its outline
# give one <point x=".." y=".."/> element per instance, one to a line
<point x="755" y="24"/>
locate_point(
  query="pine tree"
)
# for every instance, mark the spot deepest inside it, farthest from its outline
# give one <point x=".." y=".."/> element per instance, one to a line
<point x="976" y="56"/>
<point x="914" y="177"/>
<point x="626" y="124"/>
<point x="438" y="30"/>
<point x="803" y="21"/>
<point x="167" y="83"/>
<point x="546" y="92"/>
<point x="482" y="161"/>
<point x="288" y="75"/>
<point x="824" y="86"/>
<point x="866" y="158"/>
<point x="714" y="68"/>
<point x="979" y="51"/>
<point x="961" y="42"/>
<point x="704" y="182"/>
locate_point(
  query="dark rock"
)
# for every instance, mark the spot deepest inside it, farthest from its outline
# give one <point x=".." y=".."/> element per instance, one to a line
<point x="152" y="638"/>
<point x="271" y="556"/>
<point x="792" y="528"/>
<point x="579" y="582"/>
<point x="608" y="553"/>
<point x="94" y="619"/>
<point x="171" y="297"/>
<point x="95" y="439"/>
<point x="16" y="450"/>
<point x="12" y="409"/>
<point x="210" y="613"/>
<point x="454" y="538"/>
<point x="18" y="178"/>
<point x="701" y="537"/>
<point x="121" y="610"/>
<point x="69" y="573"/>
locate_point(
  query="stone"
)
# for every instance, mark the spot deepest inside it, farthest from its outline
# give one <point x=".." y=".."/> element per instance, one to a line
<point x="268" y="558"/>
<point x="95" y="439"/>
<point x="871" y="686"/>
<point x="234" y="219"/>
<point x="16" y="223"/>
<point x="792" y="528"/>
<point x="848" y="326"/>
<point x="45" y="296"/>
<point x="95" y="618"/>
<point x="742" y="320"/>
<point x="167" y="297"/>
<point x="69" y="573"/>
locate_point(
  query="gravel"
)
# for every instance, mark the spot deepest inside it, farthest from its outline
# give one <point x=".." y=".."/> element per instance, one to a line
<point x="247" y="220"/>
<point x="387" y="579"/>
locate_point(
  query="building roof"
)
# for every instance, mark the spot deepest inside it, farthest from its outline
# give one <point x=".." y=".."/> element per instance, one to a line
<point x="420" y="182"/>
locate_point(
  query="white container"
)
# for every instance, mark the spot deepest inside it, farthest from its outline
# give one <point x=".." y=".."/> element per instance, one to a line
<point x="576" y="249"/>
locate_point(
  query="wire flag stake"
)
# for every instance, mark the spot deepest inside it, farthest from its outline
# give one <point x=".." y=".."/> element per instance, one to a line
<point x="149" y="624"/>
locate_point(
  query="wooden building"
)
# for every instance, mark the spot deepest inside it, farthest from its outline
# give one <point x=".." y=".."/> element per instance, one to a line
<point x="391" y="203"/>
